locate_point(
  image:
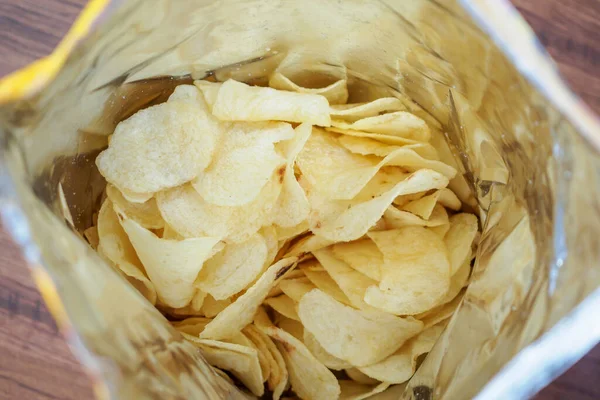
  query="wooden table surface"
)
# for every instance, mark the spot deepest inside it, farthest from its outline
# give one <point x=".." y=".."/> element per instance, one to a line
<point x="35" y="362"/>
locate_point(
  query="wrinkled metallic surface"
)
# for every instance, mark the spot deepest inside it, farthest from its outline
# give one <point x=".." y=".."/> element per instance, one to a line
<point x="528" y="158"/>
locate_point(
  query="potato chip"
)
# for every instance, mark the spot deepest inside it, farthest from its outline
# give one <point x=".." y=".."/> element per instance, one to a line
<point x="209" y="91"/>
<point x="345" y="221"/>
<point x="291" y="326"/>
<point x="360" y="337"/>
<point x="398" y="123"/>
<point x="352" y="283"/>
<point x="91" y="235"/>
<point x="187" y="212"/>
<point x="322" y="355"/>
<point x="212" y="307"/>
<point x="387" y="139"/>
<point x="351" y="390"/>
<point x="240" y="313"/>
<point x="395" y="218"/>
<point x="440" y="230"/>
<point x="241" y="361"/>
<point x="339" y="174"/>
<point x="162" y="146"/>
<point x="424" y="206"/>
<point x="265" y="358"/>
<point x="237" y="101"/>
<point x="459" y="239"/>
<point x="284" y="305"/>
<point x="114" y="247"/>
<point x="335" y="93"/>
<point x="278" y="378"/>
<point x="233" y="268"/>
<point x="400" y="366"/>
<point x="357" y="376"/>
<point x="192" y="309"/>
<point x="296" y="288"/>
<point x="136" y="197"/>
<point x="415" y="274"/>
<point x="146" y="214"/>
<point x="362" y="255"/>
<point x="172" y="265"/>
<point x="308" y="244"/>
<point x="244" y="163"/>
<point x="354" y="112"/>
<point x="366" y="146"/>
<point x="440" y="313"/>
<point x="283" y="234"/>
<point x="323" y="281"/>
<point x="310" y="379"/>
<point x="292" y="206"/>
<point x="458" y="281"/>
<point x="192" y="326"/>
<point x="269" y="233"/>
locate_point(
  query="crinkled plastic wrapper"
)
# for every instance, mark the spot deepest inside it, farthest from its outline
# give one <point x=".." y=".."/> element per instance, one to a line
<point x="527" y="150"/>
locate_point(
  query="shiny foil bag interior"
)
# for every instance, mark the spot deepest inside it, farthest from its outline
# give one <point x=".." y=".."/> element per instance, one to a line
<point x="526" y="149"/>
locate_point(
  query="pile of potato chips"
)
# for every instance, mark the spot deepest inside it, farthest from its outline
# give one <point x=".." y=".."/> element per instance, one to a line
<point x="299" y="242"/>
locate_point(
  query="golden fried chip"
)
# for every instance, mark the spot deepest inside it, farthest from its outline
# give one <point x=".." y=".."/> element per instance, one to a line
<point x="212" y="307"/>
<point x="172" y="265"/>
<point x="310" y="379"/>
<point x="232" y="269"/>
<point x="192" y="326"/>
<point x="241" y="361"/>
<point x="395" y="218"/>
<point x="291" y="326"/>
<point x="357" y="376"/>
<point x="307" y="244"/>
<point x="323" y="281"/>
<point x="424" y="206"/>
<point x="459" y="239"/>
<point x="146" y="214"/>
<point x="240" y="313"/>
<point x="440" y="313"/>
<point x="162" y="146"/>
<point x="114" y="247"/>
<point x="399" y="123"/>
<point x="339" y="174"/>
<point x="209" y="91"/>
<point x="344" y="221"/>
<point x="362" y="255"/>
<point x="296" y="288"/>
<point x="331" y="362"/>
<point x="278" y="378"/>
<point x="360" y="337"/>
<point x="335" y="93"/>
<point x="237" y="101"/>
<point x="91" y="235"/>
<point x="292" y="206"/>
<point x="244" y="163"/>
<point x="366" y="146"/>
<point x="400" y="366"/>
<point x="415" y="274"/>
<point x="187" y="212"/>
<point x="284" y="305"/>
<point x="354" y="112"/>
<point x="351" y="390"/>
<point x="352" y="283"/>
<point x="387" y="139"/>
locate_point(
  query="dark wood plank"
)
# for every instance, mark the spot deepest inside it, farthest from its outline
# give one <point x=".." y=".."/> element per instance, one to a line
<point x="35" y="361"/>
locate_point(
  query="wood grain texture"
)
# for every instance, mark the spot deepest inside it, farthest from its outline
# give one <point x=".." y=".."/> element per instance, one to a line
<point x="35" y="362"/>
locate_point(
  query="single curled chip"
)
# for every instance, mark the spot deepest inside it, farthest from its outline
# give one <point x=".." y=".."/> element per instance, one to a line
<point x="162" y="146"/>
<point x="239" y="102"/>
<point x="360" y="337"/>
